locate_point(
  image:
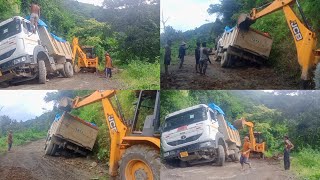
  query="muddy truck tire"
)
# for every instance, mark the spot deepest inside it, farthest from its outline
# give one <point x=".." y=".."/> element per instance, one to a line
<point x="221" y="156"/>
<point x="68" y="70"/>
<point x="145" y="157"/>
<point x="236" y="156"/>
<point x="42" y="72"/>
<point x="225" y="60"/>
<point x="51" y="149"/>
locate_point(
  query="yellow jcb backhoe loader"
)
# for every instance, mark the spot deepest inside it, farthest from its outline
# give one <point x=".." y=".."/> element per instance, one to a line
<point x="134" y="154"/>
<point x="86" y="57"/>
<point x="257" y="145"/>
<point x="305" y="38"/>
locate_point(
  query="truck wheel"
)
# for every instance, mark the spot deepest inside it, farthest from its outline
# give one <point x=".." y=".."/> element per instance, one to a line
<point x="42" y="72"/>
<point x="317" y="76"/>
<point x="140" y="162"/>
<point x="236" y="156"/>
<point x="225" y="60"/>
<point x="48" y="148"/>
<point x="221" y="156"/>
<point x="68" y="69"/>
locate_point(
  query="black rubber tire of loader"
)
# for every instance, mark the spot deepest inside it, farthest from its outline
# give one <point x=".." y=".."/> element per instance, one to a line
<point x="221" y="156"/>
<point x="42" y="72"/>
<point x="145" y="154"/>
<point x="317" y="77"/>
<point x="225" y="60"/>
<point x="68" y="69"/>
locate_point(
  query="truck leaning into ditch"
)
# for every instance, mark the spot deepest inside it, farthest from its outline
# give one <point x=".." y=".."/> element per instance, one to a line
<point x="25" y="55"/>
<point x="199" y="134"/>
<point x="70" y="133"/>
<point x="238" y="44"/>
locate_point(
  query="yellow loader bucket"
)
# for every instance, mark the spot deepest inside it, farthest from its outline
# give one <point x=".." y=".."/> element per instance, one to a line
<point x="244" y="21"/>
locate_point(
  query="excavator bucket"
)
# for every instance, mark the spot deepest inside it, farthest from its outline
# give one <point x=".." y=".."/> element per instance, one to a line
<point x="239" y="124"/>
<point x="65" y="104"/>
<point x="244" y="21"/>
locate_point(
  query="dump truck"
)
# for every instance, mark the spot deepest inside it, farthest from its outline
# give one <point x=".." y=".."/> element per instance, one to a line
<point x="26" y="55"/>
<point x="237" y="44"/>
<point x="199" y="134"/>
<point x="69" y="132"/>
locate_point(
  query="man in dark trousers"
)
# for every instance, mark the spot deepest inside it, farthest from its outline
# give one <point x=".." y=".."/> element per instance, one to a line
<point x="35" y="15"/>
<point x="10" y="140"/>
<point x="288" y="146"/>
<point x="204" y="58"/>
<point x="182" y="53"/>
<point x="197" y="56"/>
<point x="167" y="56"/>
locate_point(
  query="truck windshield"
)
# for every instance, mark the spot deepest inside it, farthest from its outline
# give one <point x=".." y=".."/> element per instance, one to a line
<point x="185" y="118"/>
<point x="10" y="29"/>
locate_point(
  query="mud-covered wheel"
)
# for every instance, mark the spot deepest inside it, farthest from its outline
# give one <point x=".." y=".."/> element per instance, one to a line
<point x="76" y="68"/>
<point x="48" y="147"/>
<point x="236" y="156"/>
<point x="42" y="72"/>
<point x="140" y="162"/>
<point x="225" y="60"/>
<point x="221" y="156"/>
<point x="317" y="77"/>
<point x="68" y="69"/>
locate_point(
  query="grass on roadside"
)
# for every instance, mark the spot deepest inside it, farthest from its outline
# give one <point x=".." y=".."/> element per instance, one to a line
<point x="306" y="164"/>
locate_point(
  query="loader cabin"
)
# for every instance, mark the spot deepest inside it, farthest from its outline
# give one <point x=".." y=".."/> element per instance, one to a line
<point x="89" y="51"/>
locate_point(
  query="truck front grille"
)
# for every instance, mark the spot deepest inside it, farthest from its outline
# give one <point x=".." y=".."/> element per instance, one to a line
<point x="7" y="54"/>
<point x="182" y="141"/>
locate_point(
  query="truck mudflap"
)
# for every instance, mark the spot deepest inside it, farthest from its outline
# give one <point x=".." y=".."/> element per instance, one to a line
<point x="190" y="150"/>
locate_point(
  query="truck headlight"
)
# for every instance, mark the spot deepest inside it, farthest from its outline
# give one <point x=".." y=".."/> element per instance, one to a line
<point x="205" y="144"/>
<point x="19" y="60"/>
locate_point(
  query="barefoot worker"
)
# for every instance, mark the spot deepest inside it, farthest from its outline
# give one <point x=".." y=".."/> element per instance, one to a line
<point x="167" y="56"/>
<point x="286" y="155"/>
<point x="245" y="152"/>
<point x="10" y="140"/>
<point x="204" y="58"/>
<point x="108" y="65"/>
<point x="182" y="53"/>
<point x="35" y="15"/>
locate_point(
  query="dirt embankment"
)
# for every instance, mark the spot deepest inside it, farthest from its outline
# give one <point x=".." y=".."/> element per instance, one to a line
<point x="261" y="169"/>
<point x="29" y="162"/>
<point x="245" y="77"/>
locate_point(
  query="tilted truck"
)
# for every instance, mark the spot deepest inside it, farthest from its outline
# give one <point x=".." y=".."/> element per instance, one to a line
<point x="199" y="134"/>
<point x="238" y="44"/>
<point x="71" y="133"/>
<point x="25" y="55"/>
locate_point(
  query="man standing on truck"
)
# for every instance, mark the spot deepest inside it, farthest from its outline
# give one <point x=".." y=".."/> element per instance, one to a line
<point x="197" y="56"/>
<point x="204" y="58"/>
<point x="35" y="15"/>
<point x="10" y="140"/>
<point x="245" y="152"/>
<point x="182" y="53"/>
<point x="167" y="56"/>
<point x="108" y="65"/>
<point x="286" y="155"/>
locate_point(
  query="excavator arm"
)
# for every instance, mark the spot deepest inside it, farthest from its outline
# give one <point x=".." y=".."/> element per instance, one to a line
<point x="77" y="50"/>
<point x="305" y="39"/>
<point x="117" y="129"/>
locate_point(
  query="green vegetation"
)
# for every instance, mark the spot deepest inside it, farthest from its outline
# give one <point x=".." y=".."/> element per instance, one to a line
<point x="127" y="30"/>
<point x="273" y="113"/>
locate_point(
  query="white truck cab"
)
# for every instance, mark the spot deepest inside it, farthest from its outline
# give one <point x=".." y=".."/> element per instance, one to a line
<point x="21" y="51"/>
<point x="196" y="135"/>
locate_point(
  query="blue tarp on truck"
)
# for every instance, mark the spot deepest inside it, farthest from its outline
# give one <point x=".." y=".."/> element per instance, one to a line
<point x="217" y="108"/>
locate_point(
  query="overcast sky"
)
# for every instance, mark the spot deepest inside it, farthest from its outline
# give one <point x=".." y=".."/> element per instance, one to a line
<point x="23" y="105"/>
<point x="187" y="14"/>
<point x="95" y="2"/>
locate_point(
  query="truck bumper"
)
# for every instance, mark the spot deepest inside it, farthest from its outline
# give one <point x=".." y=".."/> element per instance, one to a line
<point x="197" y="148"/>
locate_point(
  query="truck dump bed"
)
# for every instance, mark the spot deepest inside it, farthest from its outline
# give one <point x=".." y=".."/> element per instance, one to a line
<point x="55" y="48"/>
<point x="230" y="134"/>
<point x="252" y="41"/>
<point x="75" y="130"/>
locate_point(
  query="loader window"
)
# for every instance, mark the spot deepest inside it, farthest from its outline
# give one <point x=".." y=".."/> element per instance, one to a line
<point x="10" y="29"/>
<point x="185" y="118"/>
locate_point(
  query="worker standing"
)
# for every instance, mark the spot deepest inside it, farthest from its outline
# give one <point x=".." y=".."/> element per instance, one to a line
<point x="288" y="146"/>
<point x="245" y="152"/>
<point x="197" y="56"/>
<point x="204" y="58"/>
<point x="182" y="53"/>
<point x="10" y="140"/>
<point x="108" y="65"/>
<point x="167" y="56"/>
<point x="35" y="15"/>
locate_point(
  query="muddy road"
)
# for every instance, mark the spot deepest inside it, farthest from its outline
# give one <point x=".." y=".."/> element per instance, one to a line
<point x="29" y="162"/>
<point x="239" y="77"/>
<point x="81" y="80"/>
<point x="261" y="169"/>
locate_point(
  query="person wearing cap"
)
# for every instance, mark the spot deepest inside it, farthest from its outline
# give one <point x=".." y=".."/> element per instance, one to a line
<point x="10" y="140"/>
<point x="288" y="146"/>
<point x="182" y="53"/>
<point x="245" y="152"/>
<point x="204" y="58"/>
<point x="167" y="56"/>
<point x="197" y="56"/>
<point x="108" y="65"/>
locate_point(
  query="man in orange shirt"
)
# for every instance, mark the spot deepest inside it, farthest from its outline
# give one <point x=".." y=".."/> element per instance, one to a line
<point x="245" y="152"/>
<point x="10" y="140"/>
<point x="108" y="65"/>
